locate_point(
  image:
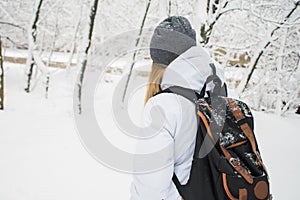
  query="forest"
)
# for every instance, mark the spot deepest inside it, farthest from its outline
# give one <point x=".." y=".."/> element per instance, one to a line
<point x="257" y="42"/>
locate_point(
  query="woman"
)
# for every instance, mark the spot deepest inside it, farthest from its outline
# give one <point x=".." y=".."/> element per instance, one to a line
<point x="177" y="61"/>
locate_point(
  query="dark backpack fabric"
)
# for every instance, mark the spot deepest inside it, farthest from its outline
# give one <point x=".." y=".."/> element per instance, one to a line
<point x="213" y="176"/>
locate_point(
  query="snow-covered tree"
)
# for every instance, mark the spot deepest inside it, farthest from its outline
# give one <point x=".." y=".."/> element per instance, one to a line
<point x="87" y="44"/>
<point x="276" y="60"/>
<point x="268" y="42"/>
<point x="260" y="38"/>
<point x="32" y="34"/>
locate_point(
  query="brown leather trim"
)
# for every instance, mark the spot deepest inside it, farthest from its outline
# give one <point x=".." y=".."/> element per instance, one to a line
<point x="224" y="178"/>
<point x="249" y="134"/>
<point x="241" y="170"/>
<point x="244" y="173"/>
<point x="203" y="118"/>
<point x="246" y="129"/>
<point x="261" y="190"/>
<point x="236" y="144"/>
<point x="259" y="160"/>
<point x="243" y="194"/>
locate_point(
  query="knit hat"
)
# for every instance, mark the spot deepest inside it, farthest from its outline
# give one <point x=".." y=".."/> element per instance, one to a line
<point x="171" y="37"/>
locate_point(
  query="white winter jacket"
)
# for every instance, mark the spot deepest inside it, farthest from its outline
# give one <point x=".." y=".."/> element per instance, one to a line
<point x="189" y="70"/>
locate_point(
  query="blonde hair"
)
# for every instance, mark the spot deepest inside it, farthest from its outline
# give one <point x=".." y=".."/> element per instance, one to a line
<point x="154" y="81"/>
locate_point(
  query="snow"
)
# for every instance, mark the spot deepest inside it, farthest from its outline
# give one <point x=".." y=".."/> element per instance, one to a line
<point x="41" y="154"/>
<point x="42" y="157"/>
<point x="278" y="140"/>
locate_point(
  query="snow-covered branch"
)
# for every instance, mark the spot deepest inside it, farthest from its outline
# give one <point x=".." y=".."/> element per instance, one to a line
<point x="247" y="78"/>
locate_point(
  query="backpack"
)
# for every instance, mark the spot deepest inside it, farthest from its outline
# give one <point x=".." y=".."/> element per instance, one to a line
<point x="226" y="163"/>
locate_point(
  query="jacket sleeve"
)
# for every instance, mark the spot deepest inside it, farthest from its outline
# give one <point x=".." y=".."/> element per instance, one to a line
<point x="156" y="185"/>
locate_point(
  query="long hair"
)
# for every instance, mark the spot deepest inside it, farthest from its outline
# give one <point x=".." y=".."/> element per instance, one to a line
<point x="154" y="81"/>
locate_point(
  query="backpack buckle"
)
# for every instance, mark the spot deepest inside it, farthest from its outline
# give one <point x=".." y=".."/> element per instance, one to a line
<point x="234" y="162"/>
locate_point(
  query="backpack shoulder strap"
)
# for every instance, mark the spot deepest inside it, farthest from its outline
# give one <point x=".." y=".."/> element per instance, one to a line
<point x="190" y="94"/>
<point x="193" y="96"/>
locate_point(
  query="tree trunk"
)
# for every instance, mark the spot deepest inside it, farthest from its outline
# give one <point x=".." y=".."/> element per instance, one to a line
<point x="47" y="86"/>
<point x="91" y="23"/>
<point x="136" y="47"/>
<point x="1" y="79"/>
<point x="32" y="43"/>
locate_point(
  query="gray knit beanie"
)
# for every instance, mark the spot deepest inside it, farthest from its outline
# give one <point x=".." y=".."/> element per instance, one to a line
<point x="171" y="37"/>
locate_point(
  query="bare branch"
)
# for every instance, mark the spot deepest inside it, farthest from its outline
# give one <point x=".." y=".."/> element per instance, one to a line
<point x="205" y="34"/>
<point x="11" y="40"/>
<point x="14" y="25"/>
<point x="136" y="45"/>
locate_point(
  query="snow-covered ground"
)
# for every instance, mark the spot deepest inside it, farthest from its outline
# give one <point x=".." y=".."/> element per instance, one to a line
<point x="42" y="158"/>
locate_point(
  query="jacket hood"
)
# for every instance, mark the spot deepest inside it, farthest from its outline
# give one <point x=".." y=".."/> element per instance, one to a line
<point x="190" y="70"/>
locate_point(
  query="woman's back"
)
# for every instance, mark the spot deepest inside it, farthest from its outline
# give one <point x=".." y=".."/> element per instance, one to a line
<point x="179" y="129"/>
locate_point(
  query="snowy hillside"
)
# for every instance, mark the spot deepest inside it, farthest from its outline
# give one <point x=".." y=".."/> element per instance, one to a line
<point x="42" y="157"/>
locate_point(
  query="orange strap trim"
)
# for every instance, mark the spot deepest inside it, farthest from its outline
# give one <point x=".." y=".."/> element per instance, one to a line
<point x="203" y="118"/>
<point x="241" y="170"/>
<point x="247" y="130"/>
<point x="236" y="164"/>
<point x="224" y="178"/>
<point x="236" y="144"/>
<point x="249" y="134"/>
<point x="242" y="192"/>
<point x="245" y="127"/>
